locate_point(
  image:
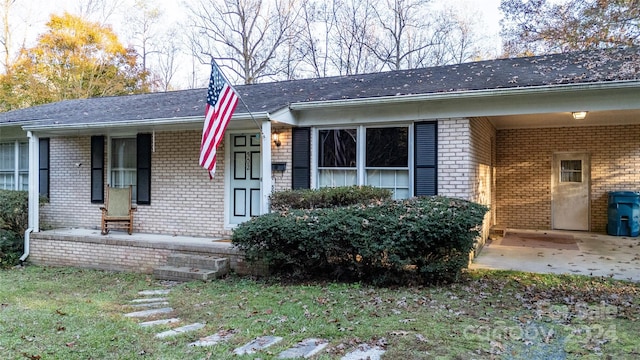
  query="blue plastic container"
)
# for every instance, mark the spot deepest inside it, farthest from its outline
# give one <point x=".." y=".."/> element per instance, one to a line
<point x="624" y="213"/>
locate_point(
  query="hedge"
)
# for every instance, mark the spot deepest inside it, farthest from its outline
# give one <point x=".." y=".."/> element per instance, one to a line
<point x="419" y="240"/>
<point x="14" y="220"/>
<point x="327" y="197"/>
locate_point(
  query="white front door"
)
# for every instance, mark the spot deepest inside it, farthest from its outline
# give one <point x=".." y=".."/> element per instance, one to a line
<point x="570" y="191"/>
<point x="245" y="177"/>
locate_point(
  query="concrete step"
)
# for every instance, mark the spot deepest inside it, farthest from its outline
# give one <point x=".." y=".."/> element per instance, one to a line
<point x="186" y="273"/>
<point x="148" y="313"/>
<point x="197" y="261"/>
<point x="180" y="330"/>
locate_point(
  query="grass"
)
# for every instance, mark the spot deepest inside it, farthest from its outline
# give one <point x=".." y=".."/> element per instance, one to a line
<point x="61" y="313"/>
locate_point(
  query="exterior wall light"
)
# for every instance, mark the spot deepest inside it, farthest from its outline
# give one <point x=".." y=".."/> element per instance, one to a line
<point x="579" y="115"/>
<point x="276" y="138"/>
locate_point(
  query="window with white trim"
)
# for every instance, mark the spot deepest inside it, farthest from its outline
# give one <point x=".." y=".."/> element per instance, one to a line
<point x="376" y="156"/>
<point x="124" y="164"/>
<point x="337" y="157"/>
<point x="387" y="159"/>
<point x="14" y="165"/>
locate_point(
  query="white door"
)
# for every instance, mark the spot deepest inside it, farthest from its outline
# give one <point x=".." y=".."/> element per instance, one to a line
<point x="570" y="191"/>
<point x="245" y="177"/>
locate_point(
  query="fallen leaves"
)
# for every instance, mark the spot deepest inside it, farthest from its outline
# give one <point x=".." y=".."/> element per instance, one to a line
<point x="32" y="357"/>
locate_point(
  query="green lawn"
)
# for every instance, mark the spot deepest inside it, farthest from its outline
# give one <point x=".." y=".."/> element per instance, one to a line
<point x="49" y="313"/>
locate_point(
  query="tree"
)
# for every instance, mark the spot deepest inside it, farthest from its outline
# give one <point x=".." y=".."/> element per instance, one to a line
<point x="73" y="59"/>
<point x="457" y="36"/>
<point x="541" y="26"/>
<point x="318" y="23"/>
<point x="405" y="30"/>
<point x="143" y="21"/>
<point x="98" y="10"/>
<point x="5" y="38"/>
<point x="248" y="36"/>
<point x="351" y="53"/>
<point x="167" y="59"/>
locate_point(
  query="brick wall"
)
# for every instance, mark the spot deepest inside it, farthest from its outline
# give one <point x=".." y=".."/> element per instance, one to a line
<point x="454" y="160"/>
<point x="69" y="185"/>
<point x="282" y="154"/>
<point x="184" y="201"/>
<point x="135" y="255"/>
<point x="524" y="160"/>
<point x="482" y="153"/>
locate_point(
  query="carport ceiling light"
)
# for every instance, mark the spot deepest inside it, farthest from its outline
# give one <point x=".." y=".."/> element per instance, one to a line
<point x="579" y="115"/>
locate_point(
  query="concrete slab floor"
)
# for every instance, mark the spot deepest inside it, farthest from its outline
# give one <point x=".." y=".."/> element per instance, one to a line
<point x="617" y="257"/>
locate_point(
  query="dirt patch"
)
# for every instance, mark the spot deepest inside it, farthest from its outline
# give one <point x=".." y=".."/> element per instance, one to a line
<point x="538" y="240"/>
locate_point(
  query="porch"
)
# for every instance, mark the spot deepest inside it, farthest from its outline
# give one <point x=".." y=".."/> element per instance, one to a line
<point x="540" y="251"/>
<point x="562" y="252"/>
<point x="119" y="251"/>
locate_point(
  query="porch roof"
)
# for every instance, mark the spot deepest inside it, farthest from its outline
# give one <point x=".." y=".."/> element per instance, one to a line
<point x="462" y="80"/>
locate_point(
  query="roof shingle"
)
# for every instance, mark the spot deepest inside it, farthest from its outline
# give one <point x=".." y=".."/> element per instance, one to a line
<point x="570" y="68"/>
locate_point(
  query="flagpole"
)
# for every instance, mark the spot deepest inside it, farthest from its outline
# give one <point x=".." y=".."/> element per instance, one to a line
<point x="213" y="60"/>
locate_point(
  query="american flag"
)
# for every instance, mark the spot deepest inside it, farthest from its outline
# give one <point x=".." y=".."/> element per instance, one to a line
<point x="221" y="102"/>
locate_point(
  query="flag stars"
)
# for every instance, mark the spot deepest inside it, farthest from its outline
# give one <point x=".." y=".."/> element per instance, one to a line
<point x="216" y="83"/>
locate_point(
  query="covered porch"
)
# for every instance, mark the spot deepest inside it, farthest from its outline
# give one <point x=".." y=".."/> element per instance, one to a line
<point x="562" y="252"/>
<point x="538" y="251"/>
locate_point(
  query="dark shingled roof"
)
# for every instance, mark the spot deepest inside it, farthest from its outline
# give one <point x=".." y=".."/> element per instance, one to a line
<point x="570" y="68"/>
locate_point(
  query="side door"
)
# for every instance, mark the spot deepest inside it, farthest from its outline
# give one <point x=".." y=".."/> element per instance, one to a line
<point x="245" y="177"/>
<point x="570" y="191"/>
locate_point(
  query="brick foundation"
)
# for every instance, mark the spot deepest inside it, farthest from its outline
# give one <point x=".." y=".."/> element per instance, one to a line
<point x="118" y="254"/>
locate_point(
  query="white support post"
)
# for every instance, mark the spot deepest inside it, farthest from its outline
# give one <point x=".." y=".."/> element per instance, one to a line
<point x="34" y="181"/>
<point x="267" y="182"/>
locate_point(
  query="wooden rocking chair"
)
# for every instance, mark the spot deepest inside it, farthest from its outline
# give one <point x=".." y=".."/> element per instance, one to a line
<point x="117" y="210"/>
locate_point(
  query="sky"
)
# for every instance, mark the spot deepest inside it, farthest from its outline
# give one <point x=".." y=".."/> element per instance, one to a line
<point x="31" y="20"/>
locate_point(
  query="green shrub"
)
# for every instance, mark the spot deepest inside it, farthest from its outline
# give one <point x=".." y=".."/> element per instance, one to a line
<point x="14" y="220"/>
<point x="327" y="197"/>
<point x="419" y="240"/>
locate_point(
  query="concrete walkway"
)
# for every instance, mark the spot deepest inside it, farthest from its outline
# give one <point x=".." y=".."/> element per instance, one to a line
<point x="592" y="254"/>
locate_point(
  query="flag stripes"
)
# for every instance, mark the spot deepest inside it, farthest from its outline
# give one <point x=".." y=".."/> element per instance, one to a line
<point x="221" y="103"/>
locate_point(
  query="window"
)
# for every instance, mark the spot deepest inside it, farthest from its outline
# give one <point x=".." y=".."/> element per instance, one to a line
<point x="381" y="161"/>
<point x="337" y="157"/>
<point x="387" y="159"/>
<point x="571" y="171"/>
<point x="124" y="164"/>
<point x="128" y="162"/>
<point x="14" y="166"/>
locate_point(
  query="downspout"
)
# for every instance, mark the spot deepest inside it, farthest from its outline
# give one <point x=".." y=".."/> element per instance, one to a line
<point x="34" y="193"/>
<point x="27" y="235"/>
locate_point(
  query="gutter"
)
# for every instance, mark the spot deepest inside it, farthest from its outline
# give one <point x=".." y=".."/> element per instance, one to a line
<point x="137" y="123"/>
<point x="27" y="236"/>
<point x="465" y="94"/>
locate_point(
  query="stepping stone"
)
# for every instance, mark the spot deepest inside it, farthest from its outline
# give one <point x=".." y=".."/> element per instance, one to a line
<point x="365" y="352"/>
<point x="304" y="349"/>
<point x="214" y="339"/>
<point x="257" y="344"/>
<point x="159" y="322"/>
<point x="151" y="304"/>
<point x="153" y="292"/>
<point x="148" y="300"/>
<point x="150" y="312"/>
<point x="180" y="330"/>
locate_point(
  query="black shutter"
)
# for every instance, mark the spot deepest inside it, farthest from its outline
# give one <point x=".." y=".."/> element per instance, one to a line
<point x="43" y="173"/>
<point x="426" y="170"/>
<point x="97" y="169"/>
<point x="301" y="158"/>
<point x="144" y="168"/>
